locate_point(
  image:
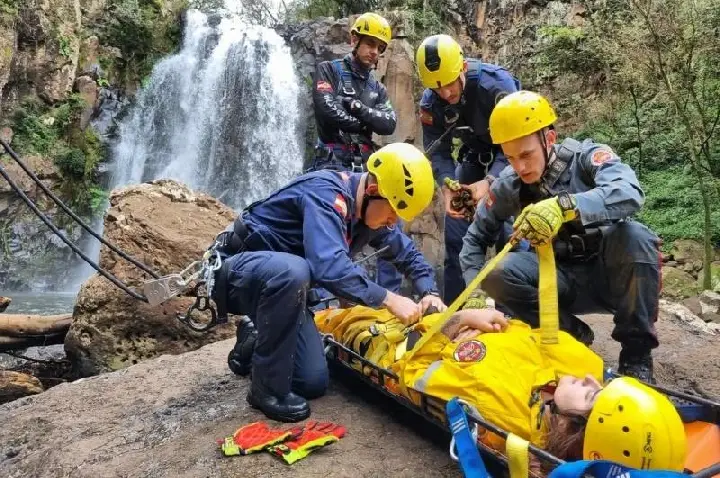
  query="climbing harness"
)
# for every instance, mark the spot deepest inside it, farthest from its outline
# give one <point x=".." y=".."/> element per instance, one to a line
<point x="158" y="289"/>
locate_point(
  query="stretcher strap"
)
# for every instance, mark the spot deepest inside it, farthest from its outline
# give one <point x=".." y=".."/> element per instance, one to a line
<point x="548" y="295"/>
<point x="467" y="453"/>
<point x="516" y="450"/>
<point x="607" y="469"/>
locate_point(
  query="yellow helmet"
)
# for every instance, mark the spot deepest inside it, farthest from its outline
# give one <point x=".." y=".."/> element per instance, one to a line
<point x="404" y="177"/>
<point x="373" y="25"/>
<point x="635" y="425"/>
<point x="519" y="114"/>
<point x="439" y="60"/>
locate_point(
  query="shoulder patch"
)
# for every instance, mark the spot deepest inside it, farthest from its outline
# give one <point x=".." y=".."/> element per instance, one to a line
<point x="470" y="351"/>
<point x="340" y="205"/>
<point x="323" y="86"/>
<point x="426" y="117"/>
<point x="600" y="156"/>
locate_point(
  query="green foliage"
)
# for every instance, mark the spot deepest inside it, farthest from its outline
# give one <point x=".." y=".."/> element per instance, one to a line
<point x="65" y="49"/>
<point x="673" y="207"/>
<point x="9" y="7"/>
<point x="54" y="132"/>
<point x="566" y="50"/>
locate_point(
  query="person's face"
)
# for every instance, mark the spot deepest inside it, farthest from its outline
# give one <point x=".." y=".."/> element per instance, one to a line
<point x="526" y="155"/>
<point x="576" y="395"/>
<point x="379" y="214"/>
<point x="368" y="50"/>
<point x="451" y="92"/>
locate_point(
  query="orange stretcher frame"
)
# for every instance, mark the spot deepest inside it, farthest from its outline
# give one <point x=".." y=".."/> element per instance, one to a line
<point x="700" y="415"/>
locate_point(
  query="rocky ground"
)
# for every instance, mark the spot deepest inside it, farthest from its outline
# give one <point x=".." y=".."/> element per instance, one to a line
<point x="161" y="417"/>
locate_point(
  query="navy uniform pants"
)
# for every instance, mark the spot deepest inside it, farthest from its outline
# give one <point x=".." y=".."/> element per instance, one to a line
<point x="624" y="278"/>
<point x="271" y="288"/>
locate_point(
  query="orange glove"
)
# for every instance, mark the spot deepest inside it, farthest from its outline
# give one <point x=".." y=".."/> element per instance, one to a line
<point x="251" y="438"/>
<point x="305" y="440"/>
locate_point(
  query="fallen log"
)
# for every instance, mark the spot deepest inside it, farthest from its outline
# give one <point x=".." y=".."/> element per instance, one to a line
<point x="21" y="325"/>
<point x="14" y="385"/>
<point x="17" y="343"/>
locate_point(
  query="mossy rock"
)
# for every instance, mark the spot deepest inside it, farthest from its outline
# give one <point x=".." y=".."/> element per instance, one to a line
<point x="686" y="250"/>
<point x="678" y="284"/>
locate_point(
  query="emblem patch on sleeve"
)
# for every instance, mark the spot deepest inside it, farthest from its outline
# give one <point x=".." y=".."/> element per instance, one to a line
<point x="324" y="87"/>
<point x="426" y="117"/>
<point x="471" y="351"/>
<point x="600" y="156"/>
<point x="340" y="205"/>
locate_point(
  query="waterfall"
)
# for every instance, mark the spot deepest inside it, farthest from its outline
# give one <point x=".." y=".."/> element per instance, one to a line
<point x="221" y="115"/>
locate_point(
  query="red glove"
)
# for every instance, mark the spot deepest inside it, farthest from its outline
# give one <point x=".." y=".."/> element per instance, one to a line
<point x="305" y="440"/>
<point x="251" y="438"/>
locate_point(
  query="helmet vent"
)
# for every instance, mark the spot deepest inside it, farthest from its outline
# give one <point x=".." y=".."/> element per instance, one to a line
<point x="626" y="453"/>
<point x="401" y="204"/>
<point x="377" y="162"/>
<point x="620" y="408"/>
<point x="600" y="420"/>
<point x="410" y="191"/>
<point x="432" y="57"/>
<point x="626" y="429"/>
<point x="407" y="175"/>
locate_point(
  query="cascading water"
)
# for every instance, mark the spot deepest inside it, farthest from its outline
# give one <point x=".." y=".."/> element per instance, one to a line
<point x="221" y="115"/>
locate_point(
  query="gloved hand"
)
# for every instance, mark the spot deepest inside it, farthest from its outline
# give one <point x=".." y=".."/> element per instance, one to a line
<point x="352" y="105"/>
<point x="305" y="440"/>
<point x="251" y="438"/>
<point x="540" y="222"/>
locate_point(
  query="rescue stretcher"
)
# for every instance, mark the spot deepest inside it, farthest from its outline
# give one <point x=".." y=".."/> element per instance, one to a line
<point x="701" y="416"/>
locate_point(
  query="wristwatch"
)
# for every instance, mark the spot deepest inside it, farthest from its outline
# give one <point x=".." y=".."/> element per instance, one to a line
<point x="567" y="204"/>
<point x="434" y="292"/>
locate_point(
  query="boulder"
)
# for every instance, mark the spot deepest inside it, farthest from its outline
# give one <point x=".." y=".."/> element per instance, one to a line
<point x="688" y="251"/>
<point x="678" y="284"/>
<point x="14" y="385"/>
<point x="166" y="226"/>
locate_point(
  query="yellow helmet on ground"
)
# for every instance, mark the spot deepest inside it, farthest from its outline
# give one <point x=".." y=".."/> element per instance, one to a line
<point x="373" y="25"/>
<point x="519" y="114"/>
<point x="404" y="177"/>
<point x="634" y="424"/>
<point x="439" y="60"/>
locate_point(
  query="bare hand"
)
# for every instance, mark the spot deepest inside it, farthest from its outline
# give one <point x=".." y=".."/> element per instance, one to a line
<point x="432" y="300"/>
<point x="449" y="195"/>
<point x="403" y="308"/>
<point x="478" y="189"/>
<point x="483" y="320"/>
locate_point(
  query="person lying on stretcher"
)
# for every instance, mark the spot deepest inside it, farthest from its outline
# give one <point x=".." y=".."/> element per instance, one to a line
<point x="551" y="395"/>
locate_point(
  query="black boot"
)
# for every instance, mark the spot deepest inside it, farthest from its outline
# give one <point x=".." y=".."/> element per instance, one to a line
<point x="240" y="357"/>
<point x="286" y="408"/>
<point x="638" y="364"/>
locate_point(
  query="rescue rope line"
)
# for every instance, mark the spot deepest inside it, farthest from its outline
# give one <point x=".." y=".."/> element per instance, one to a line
<point x="60" y="234"/>
<point x="75" y="217"/>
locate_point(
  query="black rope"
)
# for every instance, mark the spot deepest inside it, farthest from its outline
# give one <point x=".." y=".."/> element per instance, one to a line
<point x="64" y="238"/>
<point x="77" y="219"/>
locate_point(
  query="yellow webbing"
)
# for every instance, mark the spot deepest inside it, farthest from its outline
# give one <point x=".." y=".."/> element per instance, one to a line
<point x="548" y="295"/>
<point x="516" y="450"/>
<point x="548" y="300"/>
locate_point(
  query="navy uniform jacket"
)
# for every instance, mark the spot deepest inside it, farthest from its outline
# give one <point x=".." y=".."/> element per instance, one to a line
<point x="314" y="217"/>
<point x="485" y="85"/>
<point x="606" y="190"/>
<point x="331" y="116"/>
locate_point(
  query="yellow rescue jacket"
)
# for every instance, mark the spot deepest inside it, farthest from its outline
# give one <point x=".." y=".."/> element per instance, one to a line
<point x="499" y="373"/>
